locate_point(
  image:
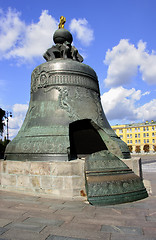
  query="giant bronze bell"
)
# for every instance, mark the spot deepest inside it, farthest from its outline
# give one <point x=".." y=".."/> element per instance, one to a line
<point x="65" y="121"/>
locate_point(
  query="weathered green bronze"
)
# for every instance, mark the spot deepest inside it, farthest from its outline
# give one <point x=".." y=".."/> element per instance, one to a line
<point x="66" y="121"/>
<point x="64" y="91"/>
<point x="110" y="181"/>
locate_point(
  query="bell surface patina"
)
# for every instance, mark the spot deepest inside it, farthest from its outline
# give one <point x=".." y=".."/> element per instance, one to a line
<point x="65" y="121"/>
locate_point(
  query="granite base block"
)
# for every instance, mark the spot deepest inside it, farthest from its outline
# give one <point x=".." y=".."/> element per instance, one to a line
<point x="56" y="179"/>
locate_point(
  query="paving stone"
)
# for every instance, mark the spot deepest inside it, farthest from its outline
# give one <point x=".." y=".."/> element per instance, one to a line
<point x="4" y="222"/>
<point x="81" y="226"/>
<point x="3" y="230"/>
<point x="19" y="234"/>
<point x="37" y="218"/>
<point x="122" y="229"/>
<point x="116" y="236"/>
<point x="4" y="239"/>
<point x="8" y="214"/>
<point x="151" y="218"/>
<point x="149" y="231"/>
<point x="117" y="217"/>
<point x="73" y="204"/>
<point x="65" y="218"/>
<point x="77" y="233"/>
<point x="56" y="206"/>
<point x="101" y="221"/>
<point x="41" y="214"/>
<point x="4" y="204"/>
<point x="19" y="198"/>
<point x="133" y="212"/>
<point x="51" y="201"/>
<point x="70" y="211"/>
<point x="63" y="238"/>
<point x="29" y="227"/>
<point x="139" y="223"/>
<point x="29" y="207"/>
<point x="44" y="221"/>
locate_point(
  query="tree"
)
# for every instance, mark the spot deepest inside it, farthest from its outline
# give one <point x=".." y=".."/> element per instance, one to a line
<point x="137" y="149"/>
<point x="130" y="148"/>
<point x="2" y="114"/>
<point x="146" y="148"/>
<point x="3" y="145"/>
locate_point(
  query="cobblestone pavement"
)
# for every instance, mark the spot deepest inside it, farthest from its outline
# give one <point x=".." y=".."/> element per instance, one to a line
<point x="25" y="217"/>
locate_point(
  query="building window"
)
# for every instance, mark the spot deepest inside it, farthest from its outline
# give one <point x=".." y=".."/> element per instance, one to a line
<point x="139" y="135"/>
<point x="135" y="135"/>
<point x="144" y="140"/>
<point x="153" y="128"/>
<point x="153" y="134"/>
<point x="130" y="141"/>
<point x="138" y="129"/>
<point x="147" y="134"/>
<point x="144" y="129"/>
<point x="135" y="129"/>
<point x="130" y="135"/>
<point x="144" y="134"/>
<point x="139" y="141"/>
<point x="135" y="141"/>
<point x="147" y="140"/>
<point x="127" y="135"/>
<point x="153" y="140"/>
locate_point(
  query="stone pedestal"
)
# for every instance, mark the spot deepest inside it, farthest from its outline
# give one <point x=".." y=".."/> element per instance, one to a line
<point x="134" y="163"/>
<point x="61" y="180"/>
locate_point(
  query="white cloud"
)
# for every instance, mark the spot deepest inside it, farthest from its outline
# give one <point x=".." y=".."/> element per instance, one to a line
<point x="125" y="60"/>
<point x="10" y="29"/>
<point x="38" y="37"/>
<point x="148" y="68"/>
<point x="18" y="115"/>
<point x="83" y="32"/>
<point x="146" y="93"/>
<point x="147" y="111"/>
<point x="122" y="104"/>
<point x="118" y="103"/>
<point x="23" y="41"/>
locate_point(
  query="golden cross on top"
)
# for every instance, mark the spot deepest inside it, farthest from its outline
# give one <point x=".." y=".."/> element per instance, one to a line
<point x="62" y="22"/>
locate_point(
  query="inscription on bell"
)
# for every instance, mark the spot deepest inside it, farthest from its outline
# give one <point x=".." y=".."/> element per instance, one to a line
<point x="46" y="79"/>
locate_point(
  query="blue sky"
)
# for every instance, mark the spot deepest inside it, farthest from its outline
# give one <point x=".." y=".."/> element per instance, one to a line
<point x="117" y="38"/>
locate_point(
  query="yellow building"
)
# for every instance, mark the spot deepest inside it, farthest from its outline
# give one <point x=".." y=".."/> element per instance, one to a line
<point x="140" y="137"/>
